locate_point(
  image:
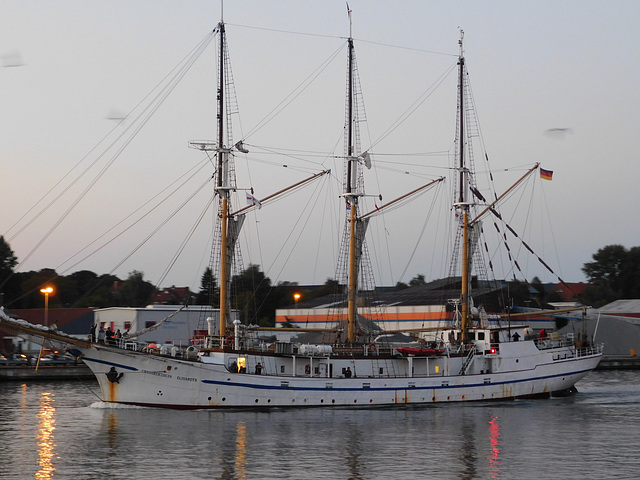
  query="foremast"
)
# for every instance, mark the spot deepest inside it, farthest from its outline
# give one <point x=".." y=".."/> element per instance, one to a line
<point x="463" y="202"/>
<point x="352" y="193"/>
<point x="229" y="224"/>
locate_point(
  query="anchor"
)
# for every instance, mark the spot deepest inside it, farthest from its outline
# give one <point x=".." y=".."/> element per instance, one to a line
<point x="113" y="376"/>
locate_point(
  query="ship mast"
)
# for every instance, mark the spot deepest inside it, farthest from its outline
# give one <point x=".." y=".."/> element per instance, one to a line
<point x="352" y="198"/>
<point x="222" y="190"/>
<point x="463" y="203"/>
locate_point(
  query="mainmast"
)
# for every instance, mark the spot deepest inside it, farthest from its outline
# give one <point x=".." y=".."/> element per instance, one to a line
<point x="463" y="201"/>
<point x="222" y="189"/>
<point x="352" y="198"/>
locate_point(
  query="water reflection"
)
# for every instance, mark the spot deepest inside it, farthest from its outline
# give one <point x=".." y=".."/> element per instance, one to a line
<point x="44" y="436"/>
<point x="468" y="457"/>
<point x="494" y="436"/>
<point x="354" y="452"/>
<point x="112" y="432"/>
<point x="241" y="450"/>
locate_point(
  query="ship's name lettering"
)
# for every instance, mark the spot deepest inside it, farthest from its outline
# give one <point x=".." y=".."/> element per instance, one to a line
<point x="157" y="374"/>
<point x="187" y="379"/>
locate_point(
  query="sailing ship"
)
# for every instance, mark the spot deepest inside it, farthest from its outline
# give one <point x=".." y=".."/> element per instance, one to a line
<point x="233" y="369"/>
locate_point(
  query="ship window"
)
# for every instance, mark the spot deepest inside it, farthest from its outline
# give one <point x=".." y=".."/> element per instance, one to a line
<point x="381" y="371"/>
<point x="281" y="368"/>
<point x="480" y="335"/>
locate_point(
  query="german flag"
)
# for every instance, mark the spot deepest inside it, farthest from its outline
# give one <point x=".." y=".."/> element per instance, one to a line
<point x="546" y="174"/>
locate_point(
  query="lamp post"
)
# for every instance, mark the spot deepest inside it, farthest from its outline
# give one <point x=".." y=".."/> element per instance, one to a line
<point x="47" y="291"/>
<point x="296" y="297"/>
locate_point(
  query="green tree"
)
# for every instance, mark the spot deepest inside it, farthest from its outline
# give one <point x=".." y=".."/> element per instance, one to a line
<point x="614" y="274"/>
<point x="134" y="291"/>
<point x="209" y="293"/>
<point x="9" y="287"/>
<point x="417" y="280"/>
<point x="251" y="294"/>
<point x="607" y="267"/>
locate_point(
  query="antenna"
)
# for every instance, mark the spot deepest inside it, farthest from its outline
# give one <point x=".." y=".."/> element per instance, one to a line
<point x="350" y="24"/>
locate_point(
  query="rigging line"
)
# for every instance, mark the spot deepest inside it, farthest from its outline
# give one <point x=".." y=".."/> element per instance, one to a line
<point x="424" y="227"/>
<point x="200" y="47"/>
<point x="153" y="108"/>
<point x="130" y="226"/>
<point x="287" y="165"/>
<point x="307" y="34"/>
<point x="294" y="94"/>
<point x="309" y="205"/>
<point x="184" y="242"/>
<point x="456" y="55"/>
<point x="404" y="116"/>
<point x="544" y="264"/>
<point x="553" y="237"/>
<point x="159" y="227"/>
<point x="267" y="151"/>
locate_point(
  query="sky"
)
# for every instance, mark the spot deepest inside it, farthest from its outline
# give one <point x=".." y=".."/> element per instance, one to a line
<point x="70" y="69"/>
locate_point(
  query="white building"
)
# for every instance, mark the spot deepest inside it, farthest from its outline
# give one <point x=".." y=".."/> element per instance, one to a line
<point x="179" y="329"/>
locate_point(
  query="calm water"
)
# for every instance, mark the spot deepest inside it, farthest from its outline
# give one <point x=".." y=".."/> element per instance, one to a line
<point x="59" y="430"/>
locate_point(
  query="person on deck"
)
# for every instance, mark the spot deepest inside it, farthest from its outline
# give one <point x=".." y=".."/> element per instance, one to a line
<point x="259" y="368"/>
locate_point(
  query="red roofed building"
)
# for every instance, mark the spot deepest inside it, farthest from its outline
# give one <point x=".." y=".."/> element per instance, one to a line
<point x="570" y="292"/>
<point x="172" y="296"/>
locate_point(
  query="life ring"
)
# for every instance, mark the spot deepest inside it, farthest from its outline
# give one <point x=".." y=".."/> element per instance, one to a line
<point x="228" y="341"/>
<point x="372" y="348"/>
<point x="307" y="369"/>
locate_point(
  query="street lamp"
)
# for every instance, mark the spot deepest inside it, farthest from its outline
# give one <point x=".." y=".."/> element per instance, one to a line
<point x="47" y="291"/>
<point x="296" y="297"/>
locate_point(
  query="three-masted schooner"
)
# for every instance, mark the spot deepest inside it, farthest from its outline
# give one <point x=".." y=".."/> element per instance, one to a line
<point x="477" y="363"/>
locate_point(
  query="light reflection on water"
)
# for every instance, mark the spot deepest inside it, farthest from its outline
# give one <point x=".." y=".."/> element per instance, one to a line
<point x="494" y="454"/>
<point x="44" y="436"/>
<point x="470" y="441"/>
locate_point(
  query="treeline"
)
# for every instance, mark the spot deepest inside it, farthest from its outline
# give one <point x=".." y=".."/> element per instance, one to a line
<point x="252" y="293"/>
<point x="613" y="274"/>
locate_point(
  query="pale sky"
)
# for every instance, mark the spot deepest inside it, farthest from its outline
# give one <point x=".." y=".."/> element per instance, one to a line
<point x="66" y="67"/>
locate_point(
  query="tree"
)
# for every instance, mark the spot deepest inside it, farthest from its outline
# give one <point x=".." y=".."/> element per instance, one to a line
<point x="9" y="287"/>
<point x="8" y="260"/>
<point x="607" y="267"/>
<point x="417" y="280"/>
<point x="208" y="294"/>
<point x="614" y="274"/>
<point x="134" y="291"/>
<point x="251" y="291"/>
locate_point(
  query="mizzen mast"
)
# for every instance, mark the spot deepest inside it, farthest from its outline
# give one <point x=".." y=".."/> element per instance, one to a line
<point x="462" y="200"/>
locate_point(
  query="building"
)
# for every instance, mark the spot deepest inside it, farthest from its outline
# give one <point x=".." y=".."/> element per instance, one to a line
<point x="181" y="324"/>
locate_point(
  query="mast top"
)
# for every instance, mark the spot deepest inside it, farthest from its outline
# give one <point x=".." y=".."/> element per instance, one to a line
<point x="460" y="43"/>
<point x="350" y="23"/>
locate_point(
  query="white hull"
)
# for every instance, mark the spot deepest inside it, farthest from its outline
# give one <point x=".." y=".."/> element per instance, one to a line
<point x="159" y="381"/>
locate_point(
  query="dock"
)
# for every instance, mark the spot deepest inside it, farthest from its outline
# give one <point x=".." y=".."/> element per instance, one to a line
<point x="45" y="372"/>
<point x="619" y="362"/>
